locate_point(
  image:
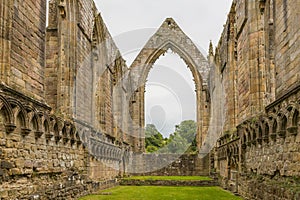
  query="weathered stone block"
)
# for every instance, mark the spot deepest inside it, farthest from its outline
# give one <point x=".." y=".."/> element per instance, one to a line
<point x="1" y="172"/>
<point x="19" y="162"/>
<point x="6" y="165"/>
<point x="15" y="171"/>
<point x="28" y="164"/>
<point x="4" y="194"/>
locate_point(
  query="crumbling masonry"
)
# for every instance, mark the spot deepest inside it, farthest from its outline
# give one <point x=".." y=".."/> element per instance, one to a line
<point x="72" y="112"/>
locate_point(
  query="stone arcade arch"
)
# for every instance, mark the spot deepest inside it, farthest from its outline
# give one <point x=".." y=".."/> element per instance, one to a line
<point x="169" y="36"/>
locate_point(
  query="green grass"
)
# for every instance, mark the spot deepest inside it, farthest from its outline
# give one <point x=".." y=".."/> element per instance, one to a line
<point x="162" y="193"/>
<point x="172" y="178"/>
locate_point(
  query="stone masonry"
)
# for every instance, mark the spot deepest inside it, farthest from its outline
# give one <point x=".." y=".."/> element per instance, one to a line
<point x="72" y="112"/>
<point x="257" y="64"/>
<point x="170" y="36"/>
<point x="58" y="136"/>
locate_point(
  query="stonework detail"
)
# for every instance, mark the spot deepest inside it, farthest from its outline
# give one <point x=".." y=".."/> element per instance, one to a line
<point x="23" y="46"/>
<point x="72" y="112"/>
<point x="257" y="62"/>
<point x="181" y="165"/>
<point x="58" y="136"/>
<point x="170" y="36"/>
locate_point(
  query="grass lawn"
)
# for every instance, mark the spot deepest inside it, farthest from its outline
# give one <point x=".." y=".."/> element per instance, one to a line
<point x="173" y="178"/>
<point x="162" y="193"/>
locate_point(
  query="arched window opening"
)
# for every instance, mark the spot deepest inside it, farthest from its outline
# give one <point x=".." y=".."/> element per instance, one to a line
<point x="3" y="116"/>
<point x="170" y="106"/>
<point x="34" y="124"/>
<point x="259" y="132"/>
<point x="274" y="128"/>
<point x="253" y="135"/>
<point x="20" y="120"/>
<point x="64" y="132"/>
<point x="266" y="133"/>
<point x="267" y="129"/>
<point x="295" y="118"/>
<point x="283" y="123"/>
<point x="56" y="131"/>
<point x="244" y="138"/>
<point x="46" y="126"/>
<point x="248" y="136"/>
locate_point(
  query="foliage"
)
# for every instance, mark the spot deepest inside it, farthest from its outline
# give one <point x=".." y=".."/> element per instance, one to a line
<point x="177" y="144"/>
<point x="153" y="139"/>
<point x="187" y="129"/>
<point x="181" y="141"/>
<point x="162" y="192"/>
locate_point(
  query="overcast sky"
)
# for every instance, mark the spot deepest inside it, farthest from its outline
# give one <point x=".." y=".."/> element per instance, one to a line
<point x="201" y="20"/>
<point x="170" y="96"/>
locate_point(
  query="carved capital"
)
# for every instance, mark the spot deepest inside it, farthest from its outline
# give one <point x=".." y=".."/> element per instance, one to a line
<point x="292" y="130"/>
<point x="38" y="134"/>
<point x="262" y="6"/>
<point x="282" y="134"/>
<point x="273" y="136"/>
<point x="25" y="131"/>
<point x="49" y="136"/>
<point x="9" y="128"/>
<point x="62" y="8"/>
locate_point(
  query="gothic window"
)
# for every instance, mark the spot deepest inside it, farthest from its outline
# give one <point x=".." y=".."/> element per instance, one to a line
<point x="283" y="123"/>
<point x="267" y="129"/>
<point x="274" y="128"/>
<point x="295" y="118"/>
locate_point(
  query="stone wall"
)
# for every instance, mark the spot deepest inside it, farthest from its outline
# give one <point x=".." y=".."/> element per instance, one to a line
<point x="194" y="183"/>
<point x="39" y="151"/>
<point x="257" y="60"/>
<point x="43" y="156"/>
<point x="170" y="165"/>
<point x="23" y="46"/>
<point x="170" y="36"/>
<point x="83" y="68"/>
<point x="262" y="157"/>
<point x="71" y="111"/>
<point x="59" y="134"/>
<point x="286" y="41"/>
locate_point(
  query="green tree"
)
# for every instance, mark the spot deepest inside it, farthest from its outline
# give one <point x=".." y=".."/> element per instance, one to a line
<point x="177" y="144"/>
<point x="151" y="149"/>
<point x="153" y="139"/>
<point x="184" y="138"/>
<point x="187" y="129"/>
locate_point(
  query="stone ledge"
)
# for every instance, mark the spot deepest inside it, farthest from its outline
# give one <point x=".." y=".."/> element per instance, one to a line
<point x="168" y="183"/>
<point x="19" y="95"/>
<point x="284" y="96"/>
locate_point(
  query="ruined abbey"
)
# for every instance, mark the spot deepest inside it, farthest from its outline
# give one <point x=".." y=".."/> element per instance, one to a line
<point x="72" y="113"/>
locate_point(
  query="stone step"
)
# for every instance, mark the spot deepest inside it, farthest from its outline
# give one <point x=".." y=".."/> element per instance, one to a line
<point x="203" y="183"/>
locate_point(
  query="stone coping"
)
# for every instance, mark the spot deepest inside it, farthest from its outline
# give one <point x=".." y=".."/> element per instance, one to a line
<point x="203" y="183"/>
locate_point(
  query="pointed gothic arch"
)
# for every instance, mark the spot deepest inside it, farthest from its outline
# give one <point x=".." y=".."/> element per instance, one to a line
<point x="170" y="36"/>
